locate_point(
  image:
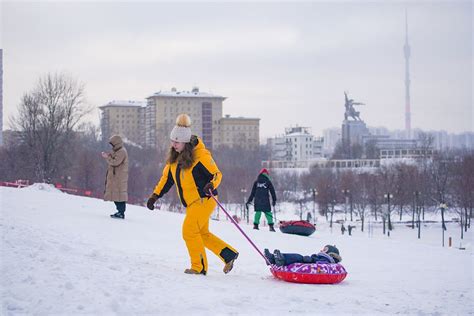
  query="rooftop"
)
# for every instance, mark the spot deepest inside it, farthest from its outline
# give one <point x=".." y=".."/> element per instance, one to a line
<point x="194" y="93"/>
<point x="124" y="103"/>
<point x="228" y="117"/>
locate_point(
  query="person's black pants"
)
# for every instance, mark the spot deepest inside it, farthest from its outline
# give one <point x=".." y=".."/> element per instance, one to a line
<point x="120" y="207"/>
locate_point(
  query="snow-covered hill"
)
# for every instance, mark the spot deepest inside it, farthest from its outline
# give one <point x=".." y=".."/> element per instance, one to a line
<point x="63" y="254"/>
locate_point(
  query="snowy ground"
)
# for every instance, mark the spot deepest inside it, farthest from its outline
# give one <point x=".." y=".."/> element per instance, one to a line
<point x="63" y="254"/>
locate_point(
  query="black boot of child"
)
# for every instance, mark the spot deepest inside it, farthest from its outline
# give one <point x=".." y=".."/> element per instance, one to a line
<point x="269" y="256"/>
<point x="279" y="258"/>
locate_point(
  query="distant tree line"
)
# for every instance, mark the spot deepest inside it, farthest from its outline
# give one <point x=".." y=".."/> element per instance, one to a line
<point x="399" y="190"/>
<point x="51" y="144"/>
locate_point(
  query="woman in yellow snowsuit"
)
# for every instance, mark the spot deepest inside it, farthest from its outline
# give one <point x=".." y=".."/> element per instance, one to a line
<point x="190" y="166"/>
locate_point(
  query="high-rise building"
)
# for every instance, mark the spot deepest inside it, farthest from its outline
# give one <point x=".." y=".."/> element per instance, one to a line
<point x="332" y="136"/>
<point x="150" y="123"/>
<point x="1" y="97"/>
<point x="205" y="110"/>
<point x="124" y="118"/>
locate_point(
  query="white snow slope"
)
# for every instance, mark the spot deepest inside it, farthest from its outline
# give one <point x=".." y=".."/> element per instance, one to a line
<point x="63" y="254"/>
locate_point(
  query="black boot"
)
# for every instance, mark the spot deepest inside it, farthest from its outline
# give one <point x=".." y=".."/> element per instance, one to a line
<point x="279" y="258"/>
<point x="229" y="257"/>
<point x="255" y="226"/>
<point x="269" y="256"/>
<point x="271" y="227"/>
<point x="118" y="215"/>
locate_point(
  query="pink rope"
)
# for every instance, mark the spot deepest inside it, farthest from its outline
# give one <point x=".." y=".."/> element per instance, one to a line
<point x="238" y="227"/>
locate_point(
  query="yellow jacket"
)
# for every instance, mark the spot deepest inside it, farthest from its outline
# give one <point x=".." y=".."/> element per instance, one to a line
<point x="190" y="182"/>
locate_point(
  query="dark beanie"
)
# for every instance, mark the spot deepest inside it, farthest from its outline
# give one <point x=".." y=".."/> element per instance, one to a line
<point x="333" y="252"/>
<point x="332" y="249"/>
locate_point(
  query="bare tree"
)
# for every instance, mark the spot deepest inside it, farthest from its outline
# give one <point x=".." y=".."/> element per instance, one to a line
<point x="402" y="195"/>
<point x="362" y="198"/>
<point x="387" y="177"/>
<point x="239" y="167"/>
<point x="440" y="176"/>
<point x="47" y="117"/>
<point x="375" y="194"/>
<point x="425" y="143"/>
<point x="463" y="189"/>
<point x="348" y="189"/>
<point x="327" y="189"/>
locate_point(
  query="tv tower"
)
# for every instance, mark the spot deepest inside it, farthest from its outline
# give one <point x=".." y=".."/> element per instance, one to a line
<point x="406" y="50"/>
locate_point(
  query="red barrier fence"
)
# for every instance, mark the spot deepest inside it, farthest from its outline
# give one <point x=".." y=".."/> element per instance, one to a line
<point x="75" y="191"/>
<point x="16" y="184"/>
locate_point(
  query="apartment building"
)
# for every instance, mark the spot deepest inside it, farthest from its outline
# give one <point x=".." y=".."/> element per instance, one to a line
<point x="162" y="108"/>
<point x="124" y="118"/>
<point x="296" y="145"/>
<point x="149" y="123"/>
<point x="239" y="131"/>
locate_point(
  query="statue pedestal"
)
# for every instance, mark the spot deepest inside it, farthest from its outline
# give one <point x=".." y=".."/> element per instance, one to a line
<point x="352" y="132"/>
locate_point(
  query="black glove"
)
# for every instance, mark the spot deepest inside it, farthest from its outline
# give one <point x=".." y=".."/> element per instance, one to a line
<point x="274" y="203"/>
<point x="247" y="205"/>
<point x="208" y="187"/>
<point x="151" y="201"/>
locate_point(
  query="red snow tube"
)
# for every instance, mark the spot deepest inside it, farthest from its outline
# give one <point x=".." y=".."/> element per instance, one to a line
<point x="302" y="228"/>
<point x="311" y="273"/>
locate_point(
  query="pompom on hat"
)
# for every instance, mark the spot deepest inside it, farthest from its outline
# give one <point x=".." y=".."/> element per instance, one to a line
<point x="182" y="131"/>
<point x="264" y="170"/>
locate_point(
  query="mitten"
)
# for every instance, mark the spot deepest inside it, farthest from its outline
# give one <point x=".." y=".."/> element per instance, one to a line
<point x="208" y="187"/>
<point x="151" y="201"/>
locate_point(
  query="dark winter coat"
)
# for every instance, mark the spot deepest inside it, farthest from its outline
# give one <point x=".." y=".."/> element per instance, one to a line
<point x="321" y="257"/>
<point x="116" y="183"/>
<point x="260" y="191"/>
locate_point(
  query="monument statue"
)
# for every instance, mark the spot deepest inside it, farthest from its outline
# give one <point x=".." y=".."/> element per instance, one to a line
<point x="350" y="110"/>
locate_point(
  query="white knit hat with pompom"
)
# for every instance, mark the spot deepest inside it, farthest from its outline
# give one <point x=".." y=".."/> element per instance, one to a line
<point x="182" y="131"/>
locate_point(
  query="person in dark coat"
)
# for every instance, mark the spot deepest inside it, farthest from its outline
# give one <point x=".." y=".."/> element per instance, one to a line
<point x="260" y="192"/>
<point x="329" y="254"/>
<point x="350" y="229"/>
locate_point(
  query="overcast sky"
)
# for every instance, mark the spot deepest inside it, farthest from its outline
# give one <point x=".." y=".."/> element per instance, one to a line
<point x="286" y="63"/>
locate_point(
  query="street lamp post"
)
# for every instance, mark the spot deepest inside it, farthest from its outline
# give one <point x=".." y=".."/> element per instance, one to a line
<point x="245" y="209"/>
<point x="388" y="196"/>
<point x="314" y="203"/>
<point x="346" y="199"/>
<point x="417" y="208"/>
<point x="443" y="206"/>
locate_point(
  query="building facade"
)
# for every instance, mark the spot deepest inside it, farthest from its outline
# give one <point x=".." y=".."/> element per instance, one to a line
<point x="124" y="118"/>
<point x="332" y="136"/>
<point x="162" y="108"/>
<point x="149" y="123"/>
<point x="238" y="131"/>
<point x="297" y="147"/>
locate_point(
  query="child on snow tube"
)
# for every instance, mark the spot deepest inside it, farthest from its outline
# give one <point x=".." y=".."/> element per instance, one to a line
<point x="329" y="254"/>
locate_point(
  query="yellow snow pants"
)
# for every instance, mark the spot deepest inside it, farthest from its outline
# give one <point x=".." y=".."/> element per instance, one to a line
<point x="197" y="236"/>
